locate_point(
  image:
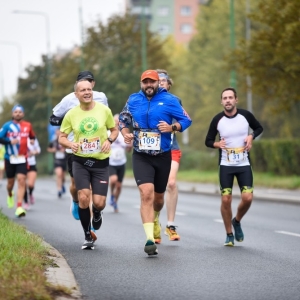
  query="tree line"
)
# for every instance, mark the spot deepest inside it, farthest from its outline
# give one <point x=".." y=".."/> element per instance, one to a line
<point x="200" y="71"/>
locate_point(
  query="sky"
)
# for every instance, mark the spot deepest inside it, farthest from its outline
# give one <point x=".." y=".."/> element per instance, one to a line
<point x="23" y="36"/>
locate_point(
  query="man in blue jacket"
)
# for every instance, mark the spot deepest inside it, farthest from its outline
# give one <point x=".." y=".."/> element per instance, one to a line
<point x="150" y="113"/>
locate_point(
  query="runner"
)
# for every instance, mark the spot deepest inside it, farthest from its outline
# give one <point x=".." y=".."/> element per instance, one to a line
<point x="2" y="152"/>
<point x="91" y="149"/>
<point x="60" y="163"/>
<point x="117" y="166"/>
<point x="14" y="135"/>
<point x="150" y="112"/>
<point x="59" y="112"/>
<point x="33" y="150"/>
<point x="172" y="191"/>
<point x="235" y="142"/>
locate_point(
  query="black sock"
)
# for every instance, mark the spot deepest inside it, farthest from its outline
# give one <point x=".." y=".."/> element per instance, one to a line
<point x="85" y="219"/>
<point x="25" y="196"/>
<point x="230" y="234"/>
<point x="30" y="190"/>
<point x="96" y="212"/>
<point x="236" y="221"/>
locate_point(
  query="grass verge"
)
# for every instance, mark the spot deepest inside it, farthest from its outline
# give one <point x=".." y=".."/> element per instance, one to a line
<point x="23" y="261"/>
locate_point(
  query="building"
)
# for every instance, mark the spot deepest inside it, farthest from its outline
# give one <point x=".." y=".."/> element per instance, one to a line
<point x="168" y="17"/>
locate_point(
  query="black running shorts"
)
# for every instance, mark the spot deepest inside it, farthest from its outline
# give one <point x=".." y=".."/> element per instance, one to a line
<point x="117" y="170"/>
<point x="12" y="169"/>
<point x="243" y="175"/>
<point x="85" y="177"/>
<point x="152" y="169"/>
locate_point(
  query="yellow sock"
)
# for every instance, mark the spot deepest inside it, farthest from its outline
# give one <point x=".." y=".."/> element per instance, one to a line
<point x="156" y="215"/>
<point x="149" y="227"/>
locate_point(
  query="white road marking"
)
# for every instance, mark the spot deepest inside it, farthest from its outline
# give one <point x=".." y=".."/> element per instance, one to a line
<point x="288" y="233"/>
<point x="137" y="206"/>
<point x="218" y="220"/>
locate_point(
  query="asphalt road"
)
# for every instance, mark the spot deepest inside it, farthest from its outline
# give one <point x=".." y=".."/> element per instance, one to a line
<point x="265" y="266"/>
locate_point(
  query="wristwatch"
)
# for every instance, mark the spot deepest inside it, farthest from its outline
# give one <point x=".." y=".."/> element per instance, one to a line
<point x="174" y="127"/>
<point x="110" y="140"/>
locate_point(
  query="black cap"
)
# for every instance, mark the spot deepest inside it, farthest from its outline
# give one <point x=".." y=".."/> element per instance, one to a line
<point x="85" y="75"/>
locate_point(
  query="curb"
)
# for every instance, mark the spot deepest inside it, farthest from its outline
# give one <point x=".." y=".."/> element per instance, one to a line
<point x="62" y="274"/>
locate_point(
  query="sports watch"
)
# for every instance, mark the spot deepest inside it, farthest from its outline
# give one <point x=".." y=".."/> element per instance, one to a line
<point x="110" y="140"/>
<point x="174" y="127"/>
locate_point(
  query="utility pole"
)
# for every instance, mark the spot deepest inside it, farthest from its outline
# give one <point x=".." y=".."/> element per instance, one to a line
<point x="232" y="42"/>
<point x="82" y="36"/>
<point x="248" y="77"/>
<point x="143" y="35"/>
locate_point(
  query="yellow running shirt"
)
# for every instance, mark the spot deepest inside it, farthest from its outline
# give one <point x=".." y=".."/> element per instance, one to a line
<point x="90" y="129"/>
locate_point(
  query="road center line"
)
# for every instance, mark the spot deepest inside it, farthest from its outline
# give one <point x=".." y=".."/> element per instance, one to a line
<point x="218" y="220"/>
<point x="288" y="233"/>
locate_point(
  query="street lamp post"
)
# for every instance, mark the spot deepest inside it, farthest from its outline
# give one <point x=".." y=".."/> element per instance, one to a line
<point x="143" y="35"/>
<point x="82" y="35"/>
<point x="48" y="68"/>
<point x="232" y="42"/>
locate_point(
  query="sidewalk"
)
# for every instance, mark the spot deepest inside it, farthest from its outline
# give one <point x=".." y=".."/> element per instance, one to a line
<point x="63" y="274"/>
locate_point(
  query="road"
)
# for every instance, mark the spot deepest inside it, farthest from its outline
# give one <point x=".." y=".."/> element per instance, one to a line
<point x="265" y="266"/>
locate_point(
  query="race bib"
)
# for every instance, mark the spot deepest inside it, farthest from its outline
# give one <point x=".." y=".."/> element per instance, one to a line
<point x="90" y="145"/>
<point x="17" y="159"/>
<point x="235" y="155"/>
<point x="149" y="141"/>
<point x="59" y="155"/>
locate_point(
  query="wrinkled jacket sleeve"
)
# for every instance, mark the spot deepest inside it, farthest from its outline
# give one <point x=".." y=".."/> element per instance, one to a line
<point x="181" y="116"/>
<point x="125" y="117"/>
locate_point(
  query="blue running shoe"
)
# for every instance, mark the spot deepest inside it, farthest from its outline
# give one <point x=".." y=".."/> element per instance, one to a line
<point x="75" y="210"/>
<point x="63" y="189"/>
<point x="238" y="232"/>
<point x="229" y="241"/>
<point x="112" y="200"/>
<point x="150" y="248"/>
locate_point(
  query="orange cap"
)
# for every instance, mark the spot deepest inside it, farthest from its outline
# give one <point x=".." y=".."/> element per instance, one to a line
<point x="152" y="74"/>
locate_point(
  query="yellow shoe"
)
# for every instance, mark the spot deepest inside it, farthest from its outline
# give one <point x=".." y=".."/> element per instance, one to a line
<point x="11" y="201"/>
<point x="171" y="233"/>
<point x="20" y="212"/>
<point x="156" y="231"/>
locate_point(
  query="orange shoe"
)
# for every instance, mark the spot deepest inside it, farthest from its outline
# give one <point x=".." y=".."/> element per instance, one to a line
<point x="156" y="231"/>
<point x="171" y="233"/>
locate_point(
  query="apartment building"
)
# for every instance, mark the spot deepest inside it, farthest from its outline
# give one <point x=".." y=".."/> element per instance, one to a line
<point x="168" y="17"/>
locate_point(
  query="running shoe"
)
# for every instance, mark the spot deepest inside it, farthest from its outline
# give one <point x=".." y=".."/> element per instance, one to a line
<point x="93" y="234"/>
<point x="10" y="201"/>
<point x="115" y="206"/>
<point x="75" y="210"/>
<point x="150" y="248"/>
<point x="59" y="194"/>
<point x="170" y="231"/>
<point x="20" y="212"/>
<point x="63" y="189"/>
<point x="229" y="241"/>
<point x="112" y="200"/>
<point x="26" y="206"/>
<point x="97" y="219"/>
<point x="31" y="199"/>
<point x="238" y="232"/>
<point x="157" y="231"/>
<point x="88" y="243"/>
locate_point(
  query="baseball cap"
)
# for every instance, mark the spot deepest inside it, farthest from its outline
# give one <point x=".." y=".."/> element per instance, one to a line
<point x="85" y="75"/>
<point x="152" y="74"/>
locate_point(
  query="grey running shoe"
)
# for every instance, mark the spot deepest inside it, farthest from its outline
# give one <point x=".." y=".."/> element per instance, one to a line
<point x="88" y="243"/>
<point x="150" y="248"/>
<point x="229" y="241"/>
<point x="238" y="232"/>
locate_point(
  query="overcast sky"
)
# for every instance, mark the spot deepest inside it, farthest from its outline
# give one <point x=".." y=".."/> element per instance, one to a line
<point x="28" y="31"/>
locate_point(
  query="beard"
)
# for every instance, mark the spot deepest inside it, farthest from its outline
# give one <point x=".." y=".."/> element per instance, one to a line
<point x="229" y="108"/>
<point x="150" y="91"/>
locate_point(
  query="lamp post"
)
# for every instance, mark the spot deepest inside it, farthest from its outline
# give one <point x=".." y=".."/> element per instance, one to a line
<point x="48" y="67"/>
<point x="248" y="78"/>
<point x="232" y="42"/>
<point x="82" y="35"/>
<point x="143" y="35"/>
